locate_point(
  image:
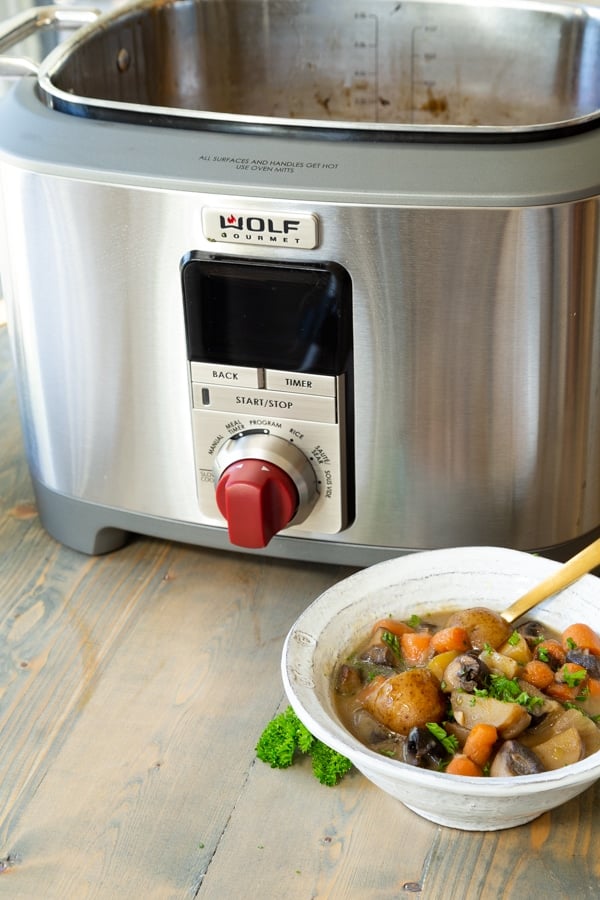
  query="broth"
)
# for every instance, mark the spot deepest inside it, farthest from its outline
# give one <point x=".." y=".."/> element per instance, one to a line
<point x="415" y="691"/>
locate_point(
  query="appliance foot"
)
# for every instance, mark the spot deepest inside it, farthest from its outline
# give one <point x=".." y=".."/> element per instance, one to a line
<point x="76" y="524"/>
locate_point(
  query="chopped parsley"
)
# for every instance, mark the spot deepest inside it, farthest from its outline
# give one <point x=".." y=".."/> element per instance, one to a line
<point x="509" y="691"/>
<point x="393" y="642"/>
<point x="514" y="639"/>
<point x="448" y="741"/>
<point x="544" y="654"/>
<point x="371" y="674"/>
<point x="414" y="621"/>
<point x="571" y="644"/>
<point x="534" y="639"/>
<point x="573" y="679"/>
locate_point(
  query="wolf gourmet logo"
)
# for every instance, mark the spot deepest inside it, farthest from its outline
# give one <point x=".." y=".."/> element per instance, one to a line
<point x="266" y="229"/>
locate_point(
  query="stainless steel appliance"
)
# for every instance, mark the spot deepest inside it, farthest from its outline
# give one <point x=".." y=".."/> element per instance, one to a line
<point x="313" y="279"/>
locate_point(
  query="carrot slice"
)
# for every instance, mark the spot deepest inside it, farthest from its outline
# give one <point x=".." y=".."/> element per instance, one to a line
<point x="562" y="692"/>
<point x="538" y="673"/>
<point x="593" y="686"/>
<point x="416" y="647"/>
<point x="552" y="652"/>
<point x="578" y="674"/>
<point x="370" y="688"/>
<point x="462" y="765"/>
<point x="581" y="636"/>
<point x="480" y="742"/>
<point x="394" y="626"/>
<point x="452" y="638"/>
<point x="591" y="697"/>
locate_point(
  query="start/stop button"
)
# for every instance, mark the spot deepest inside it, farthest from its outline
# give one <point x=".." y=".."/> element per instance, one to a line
<point x="308" y="407"/>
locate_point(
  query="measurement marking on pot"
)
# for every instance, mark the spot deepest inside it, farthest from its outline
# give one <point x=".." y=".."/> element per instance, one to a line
<point x="365" y="75"/>
<point x="425" y="61"/>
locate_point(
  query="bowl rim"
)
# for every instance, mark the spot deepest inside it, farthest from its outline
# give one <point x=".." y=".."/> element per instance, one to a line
<point x="309" y="710"/>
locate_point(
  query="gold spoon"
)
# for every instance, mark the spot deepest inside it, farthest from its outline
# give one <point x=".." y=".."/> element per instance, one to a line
<point x="580" y="564"/>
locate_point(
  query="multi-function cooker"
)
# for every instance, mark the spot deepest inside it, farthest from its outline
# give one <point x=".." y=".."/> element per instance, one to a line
<point x="312" y="279"/>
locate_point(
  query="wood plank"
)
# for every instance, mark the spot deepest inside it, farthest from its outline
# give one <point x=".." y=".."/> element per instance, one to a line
<point x="555" y="857"/>
<point x="354" y="841"/>
<point x="308" y="840"/>
<point x="138" y="722"/>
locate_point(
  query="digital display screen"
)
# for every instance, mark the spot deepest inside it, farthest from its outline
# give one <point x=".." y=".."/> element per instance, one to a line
<point x="280" y="316"/>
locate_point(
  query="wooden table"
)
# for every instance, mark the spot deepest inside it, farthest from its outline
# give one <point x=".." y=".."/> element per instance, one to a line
<point x="133" y="689"/>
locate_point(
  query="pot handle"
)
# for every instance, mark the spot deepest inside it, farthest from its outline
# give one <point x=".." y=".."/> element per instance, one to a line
<point x="24" y="24"/>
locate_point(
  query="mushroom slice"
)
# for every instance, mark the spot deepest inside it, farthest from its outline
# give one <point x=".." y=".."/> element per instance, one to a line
<point x="378" y="655"/>
<point x="421" y="748"/>
<point x="532" y="631"/>
<point x="586" y="659"/>
<point x="347" y="679"/>
<point x="514" y="759"/>
<point x="466" y="673"/>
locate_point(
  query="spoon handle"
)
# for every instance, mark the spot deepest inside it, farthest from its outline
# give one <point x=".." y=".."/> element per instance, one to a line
<point x="580" y="564"/>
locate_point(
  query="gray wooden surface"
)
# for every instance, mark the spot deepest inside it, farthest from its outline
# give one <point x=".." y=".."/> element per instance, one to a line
<point x="133" y="689"/>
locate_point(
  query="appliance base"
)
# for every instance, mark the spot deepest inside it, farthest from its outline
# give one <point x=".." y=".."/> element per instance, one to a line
<point x="95" y="530"/>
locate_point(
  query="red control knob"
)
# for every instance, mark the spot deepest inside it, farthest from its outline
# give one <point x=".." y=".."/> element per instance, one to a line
<point x="258" y="499"/>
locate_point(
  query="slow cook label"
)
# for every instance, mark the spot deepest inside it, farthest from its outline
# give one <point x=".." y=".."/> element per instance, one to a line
<point x="269" y="229"/>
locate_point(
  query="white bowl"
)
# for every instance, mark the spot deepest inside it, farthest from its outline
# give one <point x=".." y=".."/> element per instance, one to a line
<point x="422" y="583"/>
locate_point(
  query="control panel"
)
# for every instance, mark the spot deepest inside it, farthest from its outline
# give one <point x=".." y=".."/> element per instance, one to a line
<point x="270" y="369"/>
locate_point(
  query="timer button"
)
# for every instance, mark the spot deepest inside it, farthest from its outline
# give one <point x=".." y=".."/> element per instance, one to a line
<point x="257" y="499"/>
<point x="301" y="383"/>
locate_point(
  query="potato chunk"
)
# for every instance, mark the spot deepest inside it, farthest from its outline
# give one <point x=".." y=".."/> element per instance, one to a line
<point x="499" y="663"/>
<point x="407" y="699"/>
<point x="518" y="649"/>
<point x="561" y="720"/>
<point x="561" y="750"/>
<point x="509" y="718"/>
<point x="484" y="626"/>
